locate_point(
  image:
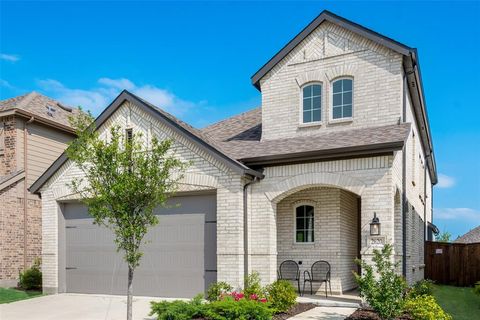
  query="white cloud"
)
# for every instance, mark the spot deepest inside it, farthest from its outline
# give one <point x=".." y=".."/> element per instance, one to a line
<point x="9" y="57"/>
<point x="445" y="181"/>
<point x="98" y="97"/>
<point x="6" y="84"/>
<point x="461" y="214"/>
<point x="121" y="83"/>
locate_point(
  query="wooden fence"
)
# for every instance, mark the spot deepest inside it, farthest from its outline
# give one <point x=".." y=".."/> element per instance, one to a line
<point x="455" y="264"/>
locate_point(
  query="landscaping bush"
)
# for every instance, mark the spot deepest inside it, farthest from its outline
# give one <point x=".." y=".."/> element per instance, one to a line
<point x="420" y="288"/>
<point x="218" y="289"/>
<point x="178" y="310"/>
<point x="282" y="295"/>
<point x="252" y="286"/>
<point x="476" y="289"/>
<point x="31" y="279"/>
<point x="382" y="288"/>
<point x="242" y="309"/>
<point x="424" y="307"/>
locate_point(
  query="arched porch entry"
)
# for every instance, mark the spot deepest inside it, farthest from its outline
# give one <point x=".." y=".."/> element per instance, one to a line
<point x="319" y="218"/>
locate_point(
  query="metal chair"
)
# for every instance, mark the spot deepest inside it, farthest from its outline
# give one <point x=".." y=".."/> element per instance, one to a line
<point x="319" y="273"/>
<point x="289" y="270"/>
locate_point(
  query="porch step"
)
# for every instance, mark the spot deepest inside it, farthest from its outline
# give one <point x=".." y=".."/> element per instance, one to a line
<point x="330" y="301"/>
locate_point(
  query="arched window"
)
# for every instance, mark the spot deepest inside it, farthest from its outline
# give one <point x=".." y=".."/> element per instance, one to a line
<point x="342" y="99"/>
<point x="312" y="103"/>
<point x="304" y="224"/>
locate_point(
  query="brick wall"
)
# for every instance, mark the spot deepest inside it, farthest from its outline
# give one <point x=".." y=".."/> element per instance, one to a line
<point x="8" y="156"/>
<point x="327" y="53"/>
<point x="335" y="233"/>
<point x="204" y="171"/>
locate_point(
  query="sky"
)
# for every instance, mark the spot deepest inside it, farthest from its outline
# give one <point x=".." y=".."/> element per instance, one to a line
<point x="195" y="60"/>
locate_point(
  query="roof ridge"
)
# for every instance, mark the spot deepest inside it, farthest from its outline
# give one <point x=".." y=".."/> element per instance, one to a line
<point x="26" y="100"/>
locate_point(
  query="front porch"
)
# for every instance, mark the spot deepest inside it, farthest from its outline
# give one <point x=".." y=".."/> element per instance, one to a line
<point x="320" y="223"/>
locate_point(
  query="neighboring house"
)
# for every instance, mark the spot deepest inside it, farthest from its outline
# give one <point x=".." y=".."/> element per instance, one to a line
<point x="473" y="236"/>
<point x="342" y="134"/>
<point x="34" y="131"/>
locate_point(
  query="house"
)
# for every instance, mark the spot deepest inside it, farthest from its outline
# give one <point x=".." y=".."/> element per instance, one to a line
<point x="34" y="131"/>
<point x="472" y="236"/>
<point x="341" y="136"/>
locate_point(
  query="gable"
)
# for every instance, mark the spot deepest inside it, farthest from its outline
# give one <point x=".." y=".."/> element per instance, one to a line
<point x="129" y="110"/>
<point x="327" y="16"/>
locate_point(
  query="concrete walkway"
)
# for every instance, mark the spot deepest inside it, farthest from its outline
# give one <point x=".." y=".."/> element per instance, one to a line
<point x="70" y="306"/>
<point x="324" y="313"/>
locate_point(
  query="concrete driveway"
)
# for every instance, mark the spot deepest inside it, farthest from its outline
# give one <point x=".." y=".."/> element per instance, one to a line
<point x="69" y="306"/>
<point x="76" y="307"/>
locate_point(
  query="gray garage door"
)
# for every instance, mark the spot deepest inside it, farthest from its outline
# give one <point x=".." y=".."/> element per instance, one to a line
<point x="179" y="259"/>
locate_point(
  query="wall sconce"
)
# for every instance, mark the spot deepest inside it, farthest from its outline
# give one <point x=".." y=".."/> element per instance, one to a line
<point x="375" y="225"/>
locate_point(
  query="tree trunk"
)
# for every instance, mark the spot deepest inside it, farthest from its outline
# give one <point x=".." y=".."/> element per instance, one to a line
<point x="129" y="293"/>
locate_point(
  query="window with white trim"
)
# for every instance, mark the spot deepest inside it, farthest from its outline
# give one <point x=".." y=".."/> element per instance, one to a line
<point x="304" y="224"/>
<point x="312" y="103"/>
<point x="342" y="98"/>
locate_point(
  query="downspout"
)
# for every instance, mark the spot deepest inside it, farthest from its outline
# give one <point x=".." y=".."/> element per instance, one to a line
<point x="425" y="200"/>
<point x="25" y="190"/>
<point x="404" y="185"/>
<point x="245" y="225"/>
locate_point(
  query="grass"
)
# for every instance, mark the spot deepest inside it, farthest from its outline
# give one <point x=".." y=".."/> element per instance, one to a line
<point x="461" y="303"/>
<point x="11" y="295"/>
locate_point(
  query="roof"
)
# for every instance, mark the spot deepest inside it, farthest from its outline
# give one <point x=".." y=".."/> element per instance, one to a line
<point x="43" y="108"/>
<point x="473" y="236"/>
<point x="11" y="178"/>
<point x="411" y="63"/>
<point x="203" y="141"/>
<point x="240" y="137"/>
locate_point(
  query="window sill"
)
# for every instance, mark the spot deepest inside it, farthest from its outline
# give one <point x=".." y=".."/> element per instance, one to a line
<point x="310" y="124"/>
<point x="342" y="120"/>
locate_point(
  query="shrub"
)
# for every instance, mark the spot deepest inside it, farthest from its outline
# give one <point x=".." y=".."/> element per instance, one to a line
<point x="217" y="289"/>
<point x="253" y="286"/>
<point x="382" y="288"/>
<point x="31" y="279"/>
<point x="243" y="309"/>
<point x="281" y="295"/>
<point x="476" y="289"/>
<point x="178" y="310"/>
<point x="420" y="288"/>
<point x="424" y="307"/>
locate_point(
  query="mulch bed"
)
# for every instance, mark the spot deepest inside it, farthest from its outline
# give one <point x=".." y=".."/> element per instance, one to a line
<point x="369" y="314"/>
<point x="293" y="311"/>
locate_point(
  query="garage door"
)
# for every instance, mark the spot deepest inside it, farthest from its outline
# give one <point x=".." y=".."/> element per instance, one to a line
<point x="179" y="256"/>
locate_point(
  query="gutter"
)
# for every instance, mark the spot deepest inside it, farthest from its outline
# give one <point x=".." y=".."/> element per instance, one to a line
<point x="245" y="224"/>
<point x="29" y="115"/>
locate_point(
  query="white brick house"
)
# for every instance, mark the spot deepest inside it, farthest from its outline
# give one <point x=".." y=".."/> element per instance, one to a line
<point x="342" y="134"/>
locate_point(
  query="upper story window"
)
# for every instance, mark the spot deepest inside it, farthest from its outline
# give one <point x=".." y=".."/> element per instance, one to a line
<point x="304" y="224"/>
<point x="312" y="103"/>
<point x="342" y="100"/>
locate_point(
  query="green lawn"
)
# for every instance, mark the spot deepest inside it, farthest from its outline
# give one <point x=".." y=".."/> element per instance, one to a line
<point x="11" y="295"/>
<point x="460" y="302"/>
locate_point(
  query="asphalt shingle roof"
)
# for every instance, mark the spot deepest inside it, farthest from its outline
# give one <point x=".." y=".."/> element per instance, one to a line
<point x="473" y="236"/>
<point x="38" y="105"/>
<point x="240" y="137"/>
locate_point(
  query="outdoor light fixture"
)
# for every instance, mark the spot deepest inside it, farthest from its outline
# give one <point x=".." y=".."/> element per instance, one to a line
<point x="375" y="225"/>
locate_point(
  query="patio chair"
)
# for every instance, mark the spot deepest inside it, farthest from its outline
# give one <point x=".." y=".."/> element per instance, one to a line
<point x="319" y="273"/>
<point x="289" y="270"/>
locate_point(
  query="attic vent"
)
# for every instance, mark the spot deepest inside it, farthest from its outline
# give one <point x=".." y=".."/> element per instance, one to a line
<point x="51" y="110"/>
<point x="68" y="109"/>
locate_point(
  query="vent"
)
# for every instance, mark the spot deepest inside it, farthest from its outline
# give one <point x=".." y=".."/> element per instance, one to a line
<point x="68" y="109"/>
<point x="51" y="110"/>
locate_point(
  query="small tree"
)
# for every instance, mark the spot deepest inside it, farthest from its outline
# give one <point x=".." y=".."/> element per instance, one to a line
<point x="123" y="182"/>
<point x="444" y="237"/>
<point x="382" y="288"/>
